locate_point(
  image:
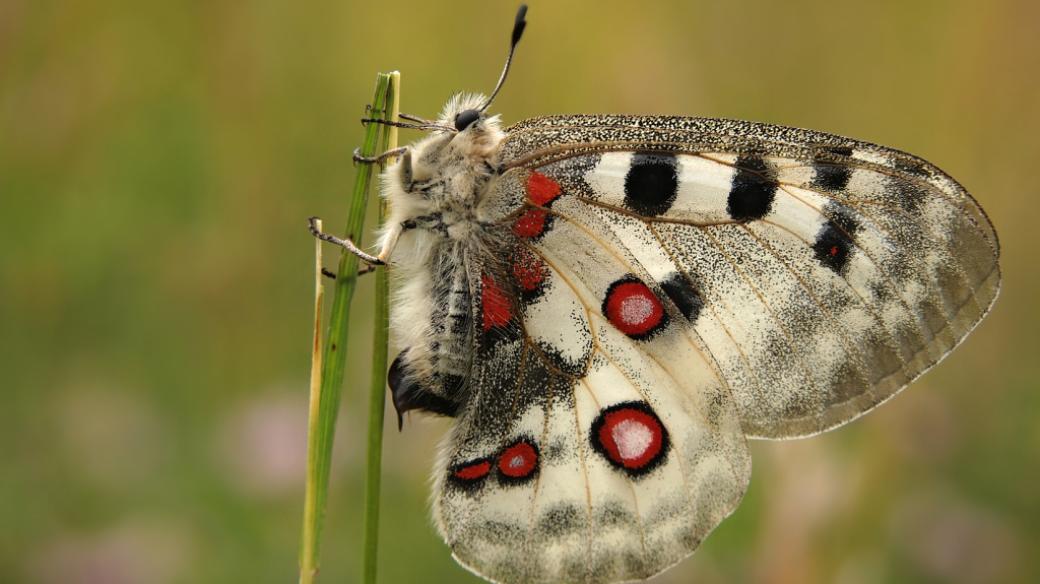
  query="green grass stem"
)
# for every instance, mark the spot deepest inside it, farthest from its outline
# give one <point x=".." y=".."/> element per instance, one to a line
<point x="377" y="395"/>
<point x="322" y="423"/>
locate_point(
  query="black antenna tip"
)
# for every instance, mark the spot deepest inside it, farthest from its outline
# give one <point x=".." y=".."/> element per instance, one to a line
<point x="518" y="31"/>
<point x="520" y="24"/>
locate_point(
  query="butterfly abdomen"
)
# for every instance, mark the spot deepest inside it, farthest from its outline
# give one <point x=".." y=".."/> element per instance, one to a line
<point x="435" y="331"/>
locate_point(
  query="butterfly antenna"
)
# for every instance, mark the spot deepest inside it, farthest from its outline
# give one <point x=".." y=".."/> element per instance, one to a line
<point x="518" y="31"/>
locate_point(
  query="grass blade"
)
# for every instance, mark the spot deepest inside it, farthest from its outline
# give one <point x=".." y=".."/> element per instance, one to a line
<point x="322" y="424"/>
<point x="377" y="395"/>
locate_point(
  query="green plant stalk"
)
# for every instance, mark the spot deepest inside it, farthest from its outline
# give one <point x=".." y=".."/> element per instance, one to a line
<point x="377" y="395"/>
<point x="322" y="424"/>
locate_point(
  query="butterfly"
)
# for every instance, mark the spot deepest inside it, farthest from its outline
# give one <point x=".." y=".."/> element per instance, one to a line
<point x="610" y="306"/>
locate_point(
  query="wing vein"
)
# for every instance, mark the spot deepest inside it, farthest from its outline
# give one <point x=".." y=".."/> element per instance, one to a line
<point x="843" y="333"/>
<point x="582" y="455"/>
<point x="712" y="363"/>
<point x="921" y="327"/>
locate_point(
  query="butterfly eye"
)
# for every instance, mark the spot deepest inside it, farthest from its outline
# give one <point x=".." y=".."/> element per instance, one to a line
<point x="466" y="118"/>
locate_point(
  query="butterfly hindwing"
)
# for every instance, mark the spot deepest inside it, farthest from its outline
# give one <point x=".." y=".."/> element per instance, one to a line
<point x="584" y="456"/>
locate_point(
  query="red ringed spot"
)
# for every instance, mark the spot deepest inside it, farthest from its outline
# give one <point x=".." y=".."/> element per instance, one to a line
<point x="834" y="250"/>
<point x="541" y="189"/>
<point x="529" y="270"/>
<point x="494" y="304"/>
<point x="633" y="308"/>
<point x="519" y="461"/>
<point x="531" y="223"/>
<point x="630" y="436"/>
<point x="473" y="471"/>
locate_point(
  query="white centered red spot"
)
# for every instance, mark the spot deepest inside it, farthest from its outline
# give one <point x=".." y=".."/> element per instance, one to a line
<point x="633" y="308"/>
<point x="630" y="436"/>
<point x="518" y="461"/>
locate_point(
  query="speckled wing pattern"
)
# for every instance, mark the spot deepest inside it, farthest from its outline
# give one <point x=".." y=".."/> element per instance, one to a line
<point x="672" y="287"/>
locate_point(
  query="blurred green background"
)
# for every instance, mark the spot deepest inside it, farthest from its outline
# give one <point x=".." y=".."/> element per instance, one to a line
<point x="157" y="161"/>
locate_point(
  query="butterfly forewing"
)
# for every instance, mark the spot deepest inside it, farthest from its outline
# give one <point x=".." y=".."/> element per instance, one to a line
<point x="831" y="272"/>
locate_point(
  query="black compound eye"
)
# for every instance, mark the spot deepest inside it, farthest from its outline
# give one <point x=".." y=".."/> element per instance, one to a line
<point x="465" y="119"/>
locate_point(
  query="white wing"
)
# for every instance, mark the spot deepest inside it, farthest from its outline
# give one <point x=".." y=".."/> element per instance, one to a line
<point x="671" y="285"/>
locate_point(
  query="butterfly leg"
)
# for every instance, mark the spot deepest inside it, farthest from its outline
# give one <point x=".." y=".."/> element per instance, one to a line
<point x="346" y="244"/>
<point x="368" y="269"/>
<point x="380" y="158"/>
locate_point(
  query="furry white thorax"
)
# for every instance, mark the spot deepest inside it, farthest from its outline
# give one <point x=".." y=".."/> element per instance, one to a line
<point x="435" y="193"/>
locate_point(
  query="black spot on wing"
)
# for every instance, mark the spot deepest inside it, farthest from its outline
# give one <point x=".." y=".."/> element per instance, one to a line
<point x="561" y="519"/>
<point x="829" y="175"/>
<point x="911" y="166"/>
<point x="651" y="184"/>
<point x="612" y="513"/>
<point x="833" y="246"/>
<point x="752" y="191"/>
<point x="683" y="294"/>
<point x="499" y="533"/>
<point x="842" y="216"/>
<point x="567" y="366"/>
<point x="906" y="193"/>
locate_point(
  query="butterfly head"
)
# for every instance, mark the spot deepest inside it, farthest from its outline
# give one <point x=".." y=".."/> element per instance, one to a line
<point x="463" y="113"/>
<point x="455" y="158"/>
<point x="442" y="176"/>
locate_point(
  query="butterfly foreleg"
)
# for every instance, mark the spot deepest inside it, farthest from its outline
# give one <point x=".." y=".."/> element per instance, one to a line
<point x="380" y="157"/>
<point x="389" y="242"/>
<point x="347" y="244"/>
<point x="404" y="169"/>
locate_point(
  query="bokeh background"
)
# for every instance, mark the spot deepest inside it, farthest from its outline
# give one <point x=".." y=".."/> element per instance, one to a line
<point x="157" y="161"/>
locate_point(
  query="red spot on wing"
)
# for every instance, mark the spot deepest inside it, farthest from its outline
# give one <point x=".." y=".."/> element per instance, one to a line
<point x="834" y="250"/>
<point x="633" y="308"/>
<point x="518" y="461"/>
<point x="473" y="471"/>
<point x="529" y="270"/>
<point x="531" y="223"/>
<point x="541" y="189"/>
<point x="494" y="303"/>
<point x="630" y="437"/>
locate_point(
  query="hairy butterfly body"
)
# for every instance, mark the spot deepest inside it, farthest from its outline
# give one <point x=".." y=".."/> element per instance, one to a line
<point x="609" y="306"/>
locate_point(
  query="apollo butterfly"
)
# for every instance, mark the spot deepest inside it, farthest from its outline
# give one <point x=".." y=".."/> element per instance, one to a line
<point x="609" y="306"/>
